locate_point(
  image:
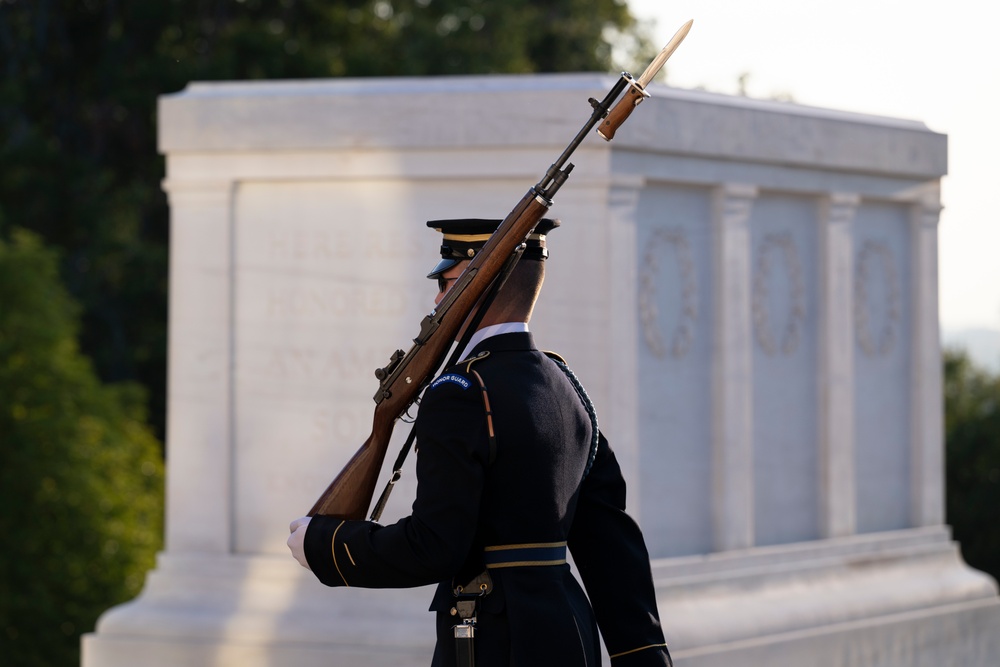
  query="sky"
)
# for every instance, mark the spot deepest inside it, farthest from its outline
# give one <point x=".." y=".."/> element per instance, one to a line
<point x="938" y="63"/>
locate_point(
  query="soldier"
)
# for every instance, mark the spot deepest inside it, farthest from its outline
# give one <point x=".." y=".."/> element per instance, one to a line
<point x="511" y="470"/>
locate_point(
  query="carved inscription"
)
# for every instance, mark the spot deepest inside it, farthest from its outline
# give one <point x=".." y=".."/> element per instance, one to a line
<point x="775" y="248"/>
<point x="343" y="426"/>
<point x="876" y="273"/>
<point x="285" y="484"/>
<point x="303" y="245"/>
<point x="334" y="301"/>
<point x="671" y="244"/>
<point x="303" y="362"/>
<point x="320" y="429"/>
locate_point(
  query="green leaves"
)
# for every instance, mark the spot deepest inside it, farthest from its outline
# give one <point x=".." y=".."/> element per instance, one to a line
<point x="81" y="497"/>
<point x="972" y="437"/>
<point x="78" y="115"/>
<point x="80" y="472"/>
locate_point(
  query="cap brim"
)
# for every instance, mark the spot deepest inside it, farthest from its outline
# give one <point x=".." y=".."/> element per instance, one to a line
<point x="443" y="266"/>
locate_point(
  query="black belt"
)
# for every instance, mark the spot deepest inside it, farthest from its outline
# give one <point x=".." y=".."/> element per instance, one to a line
<point x="467" y="597"/>
<point x="525" y="555"/>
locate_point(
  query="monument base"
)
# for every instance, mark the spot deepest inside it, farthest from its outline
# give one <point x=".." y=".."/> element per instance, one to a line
<point x="898" y="598"/>
<point x="201" y="610"/>
<point x="961" y="634"/>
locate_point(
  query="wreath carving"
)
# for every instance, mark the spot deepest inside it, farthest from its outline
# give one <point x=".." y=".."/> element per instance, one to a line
<point x="682" y="336"/>
<point x="875" y="255"/>
<point x="772" y="248"/>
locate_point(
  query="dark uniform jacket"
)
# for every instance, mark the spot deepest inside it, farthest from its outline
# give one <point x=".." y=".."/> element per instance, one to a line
<point x="540" y="482"/>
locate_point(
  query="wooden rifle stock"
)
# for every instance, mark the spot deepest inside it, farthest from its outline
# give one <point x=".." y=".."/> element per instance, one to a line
<point x="350" y="493"/>
<point x="402" y="380"/>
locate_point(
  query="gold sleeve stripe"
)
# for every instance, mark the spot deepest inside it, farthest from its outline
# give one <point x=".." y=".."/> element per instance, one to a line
<point x="349" y="556"/>
<point x="636" y="650"/>
<point x="505" y="547"/>
<point x="333" y="549"/>
<point x="524" y="563"/>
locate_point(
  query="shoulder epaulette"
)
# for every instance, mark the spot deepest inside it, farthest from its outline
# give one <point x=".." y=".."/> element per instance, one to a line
<point x="469" y="370"/>
<point x="555" y="356"/>
<point x="468" y="361"/>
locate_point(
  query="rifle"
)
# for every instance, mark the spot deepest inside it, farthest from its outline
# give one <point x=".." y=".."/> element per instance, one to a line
<point x="406" y="374"/>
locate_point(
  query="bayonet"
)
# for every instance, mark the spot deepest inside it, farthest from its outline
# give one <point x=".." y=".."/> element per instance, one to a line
<point x="637" y="87"/>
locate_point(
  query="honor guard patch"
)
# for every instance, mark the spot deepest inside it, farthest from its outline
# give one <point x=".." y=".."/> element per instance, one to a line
<point x="451" y="377"/>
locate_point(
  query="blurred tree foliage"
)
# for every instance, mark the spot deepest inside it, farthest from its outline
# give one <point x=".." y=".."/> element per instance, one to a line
<point x="972" y="437"/>
<point x="81" y="475"/>
<point x="80" y="79"/>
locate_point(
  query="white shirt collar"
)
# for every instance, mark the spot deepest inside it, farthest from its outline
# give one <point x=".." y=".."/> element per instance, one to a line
<point x="493" y="330"/>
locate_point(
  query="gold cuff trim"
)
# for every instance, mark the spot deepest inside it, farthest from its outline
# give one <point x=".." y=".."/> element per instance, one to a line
<point x="636" y="650"/>
<point x="333" y="550"/>
<point x="531" y="545"/>
<point x="524" y="563"/>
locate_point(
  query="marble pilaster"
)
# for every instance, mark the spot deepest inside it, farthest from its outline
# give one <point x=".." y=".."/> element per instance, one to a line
<point x="623" y="198"/>
<point x="927" y="455"/>
<point x="199" y="384"/>
<point x="836" y="378"/>
<point x="732" y="459"/>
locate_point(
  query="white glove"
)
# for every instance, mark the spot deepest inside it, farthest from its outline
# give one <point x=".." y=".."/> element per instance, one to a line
<point x="296" y="541"/>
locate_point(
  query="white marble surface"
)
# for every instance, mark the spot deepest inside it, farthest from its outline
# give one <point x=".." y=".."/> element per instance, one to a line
<point x="837" y="488"/>
<point x="746" y="288"/>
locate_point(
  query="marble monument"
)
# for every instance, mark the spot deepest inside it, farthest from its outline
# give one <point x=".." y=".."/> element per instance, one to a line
<point x="747" y="288"/>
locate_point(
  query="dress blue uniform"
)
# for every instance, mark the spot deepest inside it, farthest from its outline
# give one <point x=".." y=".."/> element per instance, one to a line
<point x="511" y="471"/>
<point x="509" y="504"/>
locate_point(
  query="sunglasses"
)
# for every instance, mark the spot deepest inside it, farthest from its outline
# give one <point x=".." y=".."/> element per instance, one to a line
<point x="443" y="283"/>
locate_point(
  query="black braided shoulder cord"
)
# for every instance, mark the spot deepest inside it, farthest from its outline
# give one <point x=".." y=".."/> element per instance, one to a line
<point x="587" y="403"/>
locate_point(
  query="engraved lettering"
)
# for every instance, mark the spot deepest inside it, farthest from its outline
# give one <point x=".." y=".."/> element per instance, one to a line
<point x="296" y="362"/>
<point x="310" y="244"/>
<point x="341" y="427"/>
<point x="286" y="484"/>
<point x="393" y="246"/>
<point x="335" y="301"/>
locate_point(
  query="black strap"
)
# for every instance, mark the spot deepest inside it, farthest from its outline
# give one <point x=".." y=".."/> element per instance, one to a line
<point x="397" y="467"/>
<point x="397" y="472"/>
<point x="495" y="288"/>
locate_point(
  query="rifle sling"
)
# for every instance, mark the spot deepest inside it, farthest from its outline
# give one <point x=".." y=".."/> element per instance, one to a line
<point x="397" y="467"/>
